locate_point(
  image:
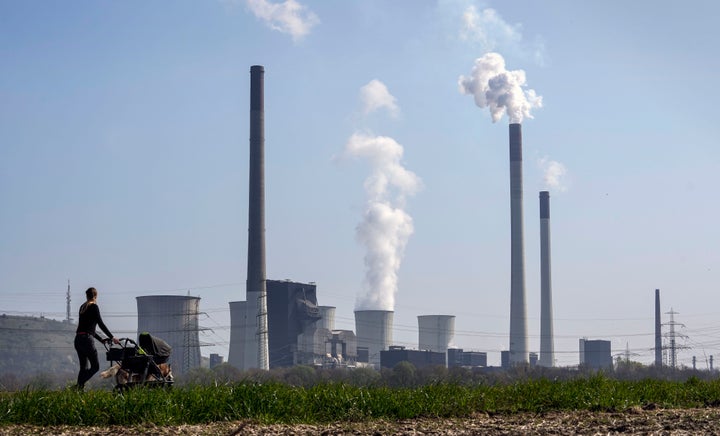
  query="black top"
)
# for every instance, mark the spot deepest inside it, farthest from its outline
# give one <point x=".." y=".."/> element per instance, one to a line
<point x="89" y="318"/>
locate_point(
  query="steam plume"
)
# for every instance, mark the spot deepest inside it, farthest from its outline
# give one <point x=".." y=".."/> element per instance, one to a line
<point x="385" y="227"/>
<point x="553" y="174"/>
<point x="500" y="90"/>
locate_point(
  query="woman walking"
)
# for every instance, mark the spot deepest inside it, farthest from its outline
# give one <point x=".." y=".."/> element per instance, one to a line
<point x="85" y="335"/>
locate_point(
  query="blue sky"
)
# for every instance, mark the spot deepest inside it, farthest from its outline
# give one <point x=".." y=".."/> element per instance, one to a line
<point x="124" y="147"/>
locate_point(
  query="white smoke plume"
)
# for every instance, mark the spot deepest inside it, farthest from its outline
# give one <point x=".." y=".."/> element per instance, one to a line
<point x="499" y="90"/>
<point x="385" y="227"/>
<point x="375" y="95"/>
<point x="554" y="174"/>
<point x="491" y="32"/>
<point x="287" y="17"/>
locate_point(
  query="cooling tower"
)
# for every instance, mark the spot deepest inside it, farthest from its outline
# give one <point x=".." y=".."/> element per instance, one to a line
<point x="238" y="326"/>
<point x="518" y="315"/>
<point x="256" y="337"/>
<point x="327" y="320"/>
<point x="373" y="329"/>
<point x="174" y="319"/>
<point x="436" y="332"/>
<point x="658" y="330"/>
<point x="547" y="347"/>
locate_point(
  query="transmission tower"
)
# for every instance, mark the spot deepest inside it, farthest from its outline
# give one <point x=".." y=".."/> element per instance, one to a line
<point x="68" y="319"/>
<point x="262" y="328"/>
<point x="672" y="346"/>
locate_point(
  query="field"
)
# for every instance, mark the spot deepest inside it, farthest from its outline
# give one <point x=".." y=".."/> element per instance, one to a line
<point x="541" y="406"/>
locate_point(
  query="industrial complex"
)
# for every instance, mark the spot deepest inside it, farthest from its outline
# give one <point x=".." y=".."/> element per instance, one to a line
<point x="281" y="323"/>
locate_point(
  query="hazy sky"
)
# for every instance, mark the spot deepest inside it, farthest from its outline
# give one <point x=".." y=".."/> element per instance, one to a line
<point x="124" y="160"/>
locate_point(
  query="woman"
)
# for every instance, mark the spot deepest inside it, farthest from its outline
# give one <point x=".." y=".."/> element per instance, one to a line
<point x="84" y="344"/>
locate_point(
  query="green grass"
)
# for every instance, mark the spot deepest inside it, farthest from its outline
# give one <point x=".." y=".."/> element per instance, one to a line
<point x="280" y="403"/>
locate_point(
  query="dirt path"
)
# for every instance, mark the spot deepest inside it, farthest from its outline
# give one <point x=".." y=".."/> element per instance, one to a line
<point x="631" y="422"/>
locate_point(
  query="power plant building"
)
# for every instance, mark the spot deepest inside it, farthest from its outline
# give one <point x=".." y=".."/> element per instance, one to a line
<point x="174" y="319"/>
<point x="420" y="358"/>
<point x="457" y="357"/>
<point x="595" y="354"/>
<point x="292" y="309"/>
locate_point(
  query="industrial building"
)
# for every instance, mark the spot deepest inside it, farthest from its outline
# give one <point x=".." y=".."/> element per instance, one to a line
<point x="420" y="358"/>
<point x="292" y="309"/>
<point x="457" y="357"/>
<point x="173" y="318"/>
<point x="595" y="354"/>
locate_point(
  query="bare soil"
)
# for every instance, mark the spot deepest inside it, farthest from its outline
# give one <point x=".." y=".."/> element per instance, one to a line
<point x="631" y="422"/>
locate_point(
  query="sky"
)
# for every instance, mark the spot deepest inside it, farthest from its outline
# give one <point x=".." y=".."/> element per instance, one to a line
<point x="124" y="162"/>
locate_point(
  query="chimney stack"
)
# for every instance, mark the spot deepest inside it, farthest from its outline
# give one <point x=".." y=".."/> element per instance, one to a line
<point x="658" y="330"/>
<point x="518" y="313"/>
<point x="547" y="347"/>
<point x="256" y="353"/>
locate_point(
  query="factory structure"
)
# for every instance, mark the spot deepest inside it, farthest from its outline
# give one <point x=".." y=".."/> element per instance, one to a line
<point x="281" y="323"/>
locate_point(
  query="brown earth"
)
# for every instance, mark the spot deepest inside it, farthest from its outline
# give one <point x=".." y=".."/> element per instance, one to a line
<point x="630" y="422"/>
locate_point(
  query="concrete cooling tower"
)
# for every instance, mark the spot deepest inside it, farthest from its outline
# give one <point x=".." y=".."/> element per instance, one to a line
<point x="174" y="319"/>
<point x="373" y="329"/>
<point x="436" y="332"/>
<point x="238" y="326"/>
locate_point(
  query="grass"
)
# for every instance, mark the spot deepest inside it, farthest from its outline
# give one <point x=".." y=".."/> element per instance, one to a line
<point x="329" y="402"/>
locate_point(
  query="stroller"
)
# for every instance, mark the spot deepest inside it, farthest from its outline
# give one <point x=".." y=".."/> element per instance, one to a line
<point x="140" y="362"/>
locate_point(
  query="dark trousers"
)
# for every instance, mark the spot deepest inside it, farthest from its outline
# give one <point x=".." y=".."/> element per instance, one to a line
<point x="85" y="347"/>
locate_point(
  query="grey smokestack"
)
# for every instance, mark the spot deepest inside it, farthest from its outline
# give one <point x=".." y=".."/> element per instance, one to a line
<point x="257" y="340"/>
<point x="547" y="346"/>
<point x="518" y="316"/>
<point x="658" y="330"/>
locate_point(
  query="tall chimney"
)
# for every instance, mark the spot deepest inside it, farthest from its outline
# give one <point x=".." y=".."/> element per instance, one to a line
<point x="256" y="353"/>
<point x="547" y="346"/>
<point x="518" y="315"/>
<point x="658" y="330"/>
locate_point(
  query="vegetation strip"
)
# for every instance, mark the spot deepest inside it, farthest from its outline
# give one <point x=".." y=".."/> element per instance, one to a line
<point x="330" y="402"/>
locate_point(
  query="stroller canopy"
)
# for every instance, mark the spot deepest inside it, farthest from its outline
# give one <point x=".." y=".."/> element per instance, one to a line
<point x="155" y="346"/>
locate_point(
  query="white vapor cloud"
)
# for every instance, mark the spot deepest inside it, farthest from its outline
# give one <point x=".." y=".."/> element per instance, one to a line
<point x="375" y="96"/>
<point x="287" y="17"/>
<point x="492" y="33"/>
<point x="554" y="174"/>
<point x="499" y="90"/>
<point x="385" y="227"/>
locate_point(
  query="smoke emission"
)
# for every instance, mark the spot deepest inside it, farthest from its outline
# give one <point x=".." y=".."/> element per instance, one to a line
<point x="385" y="227"/>
<point x="500" y="90"/>
<point x="553" y="174"/>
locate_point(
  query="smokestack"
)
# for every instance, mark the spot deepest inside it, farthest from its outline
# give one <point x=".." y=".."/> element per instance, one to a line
<point x="547" y="346"/>
<point x="256" y="353"/>
<point x="373" y="329"/>
<point x="658" y="330"/>
<point x="518" y="315"/>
